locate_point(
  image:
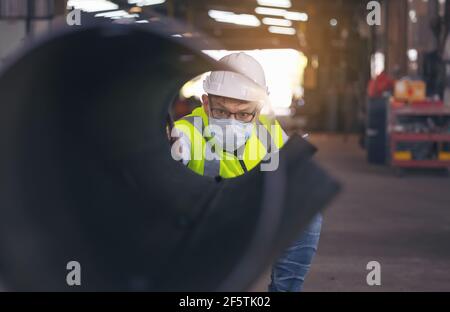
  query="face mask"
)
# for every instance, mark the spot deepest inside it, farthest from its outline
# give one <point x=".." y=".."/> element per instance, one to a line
<point x="230" y="134"/>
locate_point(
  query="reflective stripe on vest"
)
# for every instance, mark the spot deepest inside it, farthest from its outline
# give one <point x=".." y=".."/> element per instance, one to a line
<point x="223" y="163"/>
<point x="211" y="165"/>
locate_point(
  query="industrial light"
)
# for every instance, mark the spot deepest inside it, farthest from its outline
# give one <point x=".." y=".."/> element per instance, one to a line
<point x="290" y="15"/>
<point x="219" y="14"/>
<point x="377" y="61"/>
<point x="413" y="55"/>
<point x="413" y="16"/>
<point x="270" y="11"/>
<point x="232" y="18"/>
<point x="276" y="22"/>
<point x="282" y="30"/>
<point x="296" y="16"/>
<point x="92" y="5"/>
<point x="333" y="22"/>
<point x="146" y="2"/>
<point x="142" y="22"/>
<point x="116" y="14"/>
<point x="275" y="3"/>
<point x="315" y="61"/>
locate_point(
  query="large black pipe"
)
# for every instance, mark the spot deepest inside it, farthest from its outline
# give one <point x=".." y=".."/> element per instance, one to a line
<point x="86" y="175"/>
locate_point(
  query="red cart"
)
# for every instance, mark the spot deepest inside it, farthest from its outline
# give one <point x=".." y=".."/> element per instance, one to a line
<point x="411" y="125"/>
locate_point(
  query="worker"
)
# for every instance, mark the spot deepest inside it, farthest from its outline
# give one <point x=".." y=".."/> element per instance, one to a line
<point x="228" y="136"/>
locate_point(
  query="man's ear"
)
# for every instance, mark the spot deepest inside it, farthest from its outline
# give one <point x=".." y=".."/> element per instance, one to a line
<point x="258" y="111"/>
<point x="205" y="101"/>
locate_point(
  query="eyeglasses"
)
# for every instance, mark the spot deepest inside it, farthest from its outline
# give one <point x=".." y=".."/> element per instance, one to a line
<point x="219" y="113"/>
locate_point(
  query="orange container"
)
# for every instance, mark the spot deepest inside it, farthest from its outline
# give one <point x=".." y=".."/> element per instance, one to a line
<point x="445" y="156"/>
<point x="417" y="91"/>
<point x="410" y="90"/>
<point x="401" y="90"/>
<point x="402" y="155"/>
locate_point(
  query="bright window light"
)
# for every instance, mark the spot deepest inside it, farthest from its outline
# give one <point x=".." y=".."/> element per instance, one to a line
<point x="284" y="71"/>
<point x="276" y="22"/>
<point x="282" y="30"/>
<point x="92" y="5"/>
<point x="146" y="2"/>
<point x="275" y="3"/>
<point x="232" y="18"/>
<point x="194" y="87"/>
<point x="270" y="11"/>
<point x="296" y="16"/>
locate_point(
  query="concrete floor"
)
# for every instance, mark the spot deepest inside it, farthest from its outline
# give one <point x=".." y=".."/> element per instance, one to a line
<point x="401" y="222"/>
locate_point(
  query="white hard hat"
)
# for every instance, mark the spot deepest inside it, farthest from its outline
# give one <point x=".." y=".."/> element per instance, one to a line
<point x="248" y="83"/>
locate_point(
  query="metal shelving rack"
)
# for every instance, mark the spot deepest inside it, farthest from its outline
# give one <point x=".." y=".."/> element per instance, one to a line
<point x="395" y="137"/>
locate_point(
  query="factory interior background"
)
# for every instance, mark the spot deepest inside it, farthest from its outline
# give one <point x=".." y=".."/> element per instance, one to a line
<point x="366" y="82"/>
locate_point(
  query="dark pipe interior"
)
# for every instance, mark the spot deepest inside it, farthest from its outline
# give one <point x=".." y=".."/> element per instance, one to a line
<point x="87" y="175"/>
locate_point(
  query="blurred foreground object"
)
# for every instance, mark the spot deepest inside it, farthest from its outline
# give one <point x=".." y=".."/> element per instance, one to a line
<point x="87" y="175"/>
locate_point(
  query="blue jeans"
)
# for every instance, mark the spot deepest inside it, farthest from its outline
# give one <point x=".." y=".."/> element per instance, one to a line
<point x="289" y="272"/>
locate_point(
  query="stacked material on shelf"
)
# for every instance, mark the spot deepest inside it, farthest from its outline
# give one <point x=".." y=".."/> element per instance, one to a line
<point x="410" y="90"/>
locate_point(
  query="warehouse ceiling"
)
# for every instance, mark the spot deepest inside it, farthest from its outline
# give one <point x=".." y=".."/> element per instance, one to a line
<point x="212" y="18"/>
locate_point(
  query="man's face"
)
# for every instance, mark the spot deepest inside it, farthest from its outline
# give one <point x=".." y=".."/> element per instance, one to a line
<point x="226" y="108"/>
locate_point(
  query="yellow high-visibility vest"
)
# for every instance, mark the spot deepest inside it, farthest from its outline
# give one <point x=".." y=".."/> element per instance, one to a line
<point x="228" y="165"/>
